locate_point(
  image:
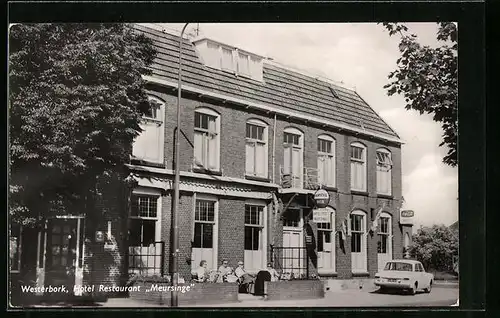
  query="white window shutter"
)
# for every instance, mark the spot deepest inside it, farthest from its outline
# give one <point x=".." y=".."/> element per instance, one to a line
<point x="212" y="150"/>
<point x="250" y="155"/>
<point x="260" y="159"/>
<point x="198" y="148"/>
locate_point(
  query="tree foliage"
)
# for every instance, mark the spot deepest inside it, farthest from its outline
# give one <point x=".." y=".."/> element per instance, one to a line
<point x="428" y="80"/>
<point x="435" y="247"/>
<point x="75" y="102"/>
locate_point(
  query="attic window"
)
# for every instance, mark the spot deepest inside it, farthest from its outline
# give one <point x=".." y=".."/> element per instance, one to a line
<point x="334" y="92"/>
<point x="229" y="59"/>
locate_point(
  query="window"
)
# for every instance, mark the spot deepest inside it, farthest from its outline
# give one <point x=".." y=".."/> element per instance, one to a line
<point x="384" y="176"/>
<point x="357" y="233"/>
<point x="15" y="247"/>
<point x="256" y="149"/>
<point x="291" y="218"/>
<point x="358" y="241"/>
<point x="255" y="252"/>
<point x="383" y="236"/>
<point x="149" y="144"/>
<point x="326" y="161"/>
<point x="292" y="169"/>
<point x="143" y="220"/>
<point x="253" y="226"/>
<point x="398" y="266"/>
<point x="324" y="235"/>
<point x="358" y="167"/>
<point x="204" y="220"/>
<point x="227" y="60"/>
<point x="206" y="139"/>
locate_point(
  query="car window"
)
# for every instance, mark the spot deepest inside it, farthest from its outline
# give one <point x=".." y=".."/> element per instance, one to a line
<point x="419" y="268"/>
<point x="398" y="266"/>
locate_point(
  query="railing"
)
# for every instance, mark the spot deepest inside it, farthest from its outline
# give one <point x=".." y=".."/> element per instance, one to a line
<point x="291" y="262"/>
<point x="146" y="260"/>
<point x="309" y="178"/>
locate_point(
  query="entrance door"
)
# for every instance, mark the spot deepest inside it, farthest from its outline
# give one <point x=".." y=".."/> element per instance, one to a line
<point x="293" y="253"/>
<point x="384" y="244"/>
<point x="326" y="243"/>
<point x="63" y="261"/>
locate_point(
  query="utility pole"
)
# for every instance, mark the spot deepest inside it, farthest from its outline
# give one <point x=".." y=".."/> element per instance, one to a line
<point x="175" y="210"/>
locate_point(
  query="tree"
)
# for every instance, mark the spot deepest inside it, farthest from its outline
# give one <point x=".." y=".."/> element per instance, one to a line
<point x="75" y="100"/>
<point x="428" y="80"/>
<point x="435" y="247"/>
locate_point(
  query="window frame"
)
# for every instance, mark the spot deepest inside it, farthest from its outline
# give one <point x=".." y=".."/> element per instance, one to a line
<point x="388" y="173"/>
<point x="259" y="226"/>
<point x="148" y="123"/>
<point x="215" y="227"/>
<point x="332" y="181"/>
<point x="300" y="146"/>
<point x="364" y="238"/>
<point x="264" y="142"/>
<point x="18" y="251"/>
<point x="387" y="234"/>
<point x="150" y="193"/>
<point x="359" y="145"/>
<point x="205" y="132"/>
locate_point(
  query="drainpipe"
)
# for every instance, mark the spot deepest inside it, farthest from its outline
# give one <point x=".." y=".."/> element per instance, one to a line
<point x="274" y="149"/>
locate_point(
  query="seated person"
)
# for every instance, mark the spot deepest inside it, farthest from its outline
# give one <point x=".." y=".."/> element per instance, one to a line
<point x="244" y="278"/>
<point x="224" y="271"/>
<point x="274" y="274"/>
<point x="202" y="273"/>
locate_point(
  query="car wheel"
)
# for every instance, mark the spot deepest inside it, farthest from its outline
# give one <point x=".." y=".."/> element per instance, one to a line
<point x="382" y="290"/>
<point x="428" y="289"/>
<point x="413" y="291"/>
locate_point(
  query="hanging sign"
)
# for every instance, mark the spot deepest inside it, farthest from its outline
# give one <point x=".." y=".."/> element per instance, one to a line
<point x="99" y="236"/>
<point x="406" y="217"/>
<point x="321" y="215"/>
<point x="322" y="198"/>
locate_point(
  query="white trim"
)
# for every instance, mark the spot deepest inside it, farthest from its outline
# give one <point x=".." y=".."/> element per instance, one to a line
<point x="215" y="228"/>
<point x="333" y="154"/>
<point x="264" y="228"/>
<point x="365" y="166"/>
<point x="364" y="240"/>
<point x="333" y="239"/>
<point x="158" y="219"/>
<point x="265" y="141"/>
<point x="199" y="176"/>
<point x="209" y="112"/>
<point x="270" y="109"/>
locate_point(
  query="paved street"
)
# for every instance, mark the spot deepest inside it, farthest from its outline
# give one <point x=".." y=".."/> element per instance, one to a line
<point x="348" y="298"/>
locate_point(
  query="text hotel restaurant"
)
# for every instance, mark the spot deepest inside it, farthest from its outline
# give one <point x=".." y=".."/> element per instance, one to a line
<point x="258" y="139"/>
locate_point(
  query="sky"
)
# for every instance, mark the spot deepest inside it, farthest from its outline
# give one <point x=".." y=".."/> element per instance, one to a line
<point x="361" y="55"/>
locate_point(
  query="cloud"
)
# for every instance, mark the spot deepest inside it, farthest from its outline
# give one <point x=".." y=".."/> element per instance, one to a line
<point x="431" y="193"/>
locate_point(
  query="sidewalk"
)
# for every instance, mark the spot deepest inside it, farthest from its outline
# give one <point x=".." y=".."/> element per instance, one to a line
<point x="345" y="298"/>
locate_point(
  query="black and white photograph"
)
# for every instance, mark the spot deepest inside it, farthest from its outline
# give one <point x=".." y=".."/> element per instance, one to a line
<point x="233" y="165"/>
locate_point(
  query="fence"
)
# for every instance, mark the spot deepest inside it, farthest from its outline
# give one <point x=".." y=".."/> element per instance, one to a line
<point x="146" y="260"/>
<point x="292" y="262"/>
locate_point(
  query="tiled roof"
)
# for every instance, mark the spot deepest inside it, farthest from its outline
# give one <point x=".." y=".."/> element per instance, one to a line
<point x="282" y="88"/>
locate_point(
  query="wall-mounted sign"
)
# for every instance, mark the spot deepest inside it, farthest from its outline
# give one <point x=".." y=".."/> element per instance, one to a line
<point x="406" y="217"/>
<point x="322" y="198"/>
<point x="309" y="239"/>
<point x="99" y="236"/>
<point x="321" y="215"/>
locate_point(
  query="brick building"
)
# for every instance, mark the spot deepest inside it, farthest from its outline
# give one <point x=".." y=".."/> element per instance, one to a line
<point x="258" y="139"/>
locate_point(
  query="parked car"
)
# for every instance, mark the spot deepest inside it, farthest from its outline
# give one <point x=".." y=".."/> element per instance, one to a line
<point x="406" y="275"/>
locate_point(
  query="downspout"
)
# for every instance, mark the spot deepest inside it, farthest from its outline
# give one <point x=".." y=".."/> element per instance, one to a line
<point x="274" y="149"/>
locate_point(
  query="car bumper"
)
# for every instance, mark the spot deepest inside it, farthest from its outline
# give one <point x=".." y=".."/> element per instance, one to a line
<point x="397" y="284"/>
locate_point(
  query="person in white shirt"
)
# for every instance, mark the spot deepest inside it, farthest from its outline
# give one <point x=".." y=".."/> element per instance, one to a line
<point x="244" y="278"/>
<point x="202" y="272"/>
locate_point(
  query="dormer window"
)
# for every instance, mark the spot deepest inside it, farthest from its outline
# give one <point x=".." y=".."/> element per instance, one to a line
<point x="230" y="59"/>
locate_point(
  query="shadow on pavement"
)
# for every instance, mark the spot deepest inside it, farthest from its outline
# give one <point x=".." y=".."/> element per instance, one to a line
<point x="394" y="292"/>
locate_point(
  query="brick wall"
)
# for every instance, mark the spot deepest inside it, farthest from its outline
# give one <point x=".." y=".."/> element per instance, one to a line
<point x="232" y="160"/>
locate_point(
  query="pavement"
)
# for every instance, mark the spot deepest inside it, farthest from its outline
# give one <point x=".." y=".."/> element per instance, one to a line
<point x="439" y="296"/>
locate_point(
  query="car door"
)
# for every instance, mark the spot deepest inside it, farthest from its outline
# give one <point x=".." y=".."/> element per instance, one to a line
<point x="422" y="282"/>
